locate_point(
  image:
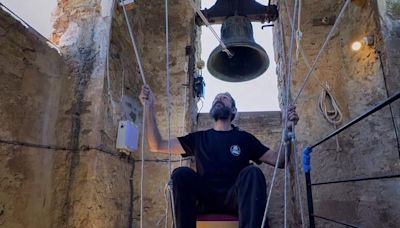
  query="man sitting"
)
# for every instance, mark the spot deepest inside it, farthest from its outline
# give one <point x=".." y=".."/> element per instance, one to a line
<point x="225" y="181"/>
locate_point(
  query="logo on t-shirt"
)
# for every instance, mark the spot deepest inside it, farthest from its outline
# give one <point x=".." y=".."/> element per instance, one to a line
<point x="235" y="150"/>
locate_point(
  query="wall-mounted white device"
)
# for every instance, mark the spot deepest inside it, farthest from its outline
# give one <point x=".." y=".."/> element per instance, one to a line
<point x="128" y="136"/>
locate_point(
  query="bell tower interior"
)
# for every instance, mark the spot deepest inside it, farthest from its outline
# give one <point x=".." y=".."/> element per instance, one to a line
<point x="63" y="98"/>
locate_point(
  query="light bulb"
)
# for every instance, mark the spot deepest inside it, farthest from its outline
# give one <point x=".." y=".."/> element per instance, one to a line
<point x="356" y="45"/>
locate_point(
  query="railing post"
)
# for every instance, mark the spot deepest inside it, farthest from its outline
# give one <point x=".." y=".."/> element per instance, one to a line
<point x="310" y="202"/>
<point x="307" y="169"/>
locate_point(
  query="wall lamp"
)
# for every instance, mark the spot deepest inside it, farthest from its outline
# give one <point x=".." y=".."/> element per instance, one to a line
<point x="365" y="41"/>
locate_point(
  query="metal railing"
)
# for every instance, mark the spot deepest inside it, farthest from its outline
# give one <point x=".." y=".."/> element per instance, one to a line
<point x="307" y="167"/>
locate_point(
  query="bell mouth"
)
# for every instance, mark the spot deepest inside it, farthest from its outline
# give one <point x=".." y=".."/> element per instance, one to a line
<point x="249" y="61"/>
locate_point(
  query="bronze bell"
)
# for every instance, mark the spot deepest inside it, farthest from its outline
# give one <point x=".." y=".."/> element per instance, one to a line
<point x="249" y="59"/>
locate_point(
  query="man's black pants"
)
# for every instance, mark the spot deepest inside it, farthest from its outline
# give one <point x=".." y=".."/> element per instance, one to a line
<point x="193" y="195"/>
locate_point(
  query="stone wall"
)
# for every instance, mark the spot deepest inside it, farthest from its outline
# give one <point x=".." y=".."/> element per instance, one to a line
<point x="148" y="23"/>
<point x="355" y="79"/>
<point x="115" y="89"/>
<point x="34" y="84"/>
<point x="75" y="100"/>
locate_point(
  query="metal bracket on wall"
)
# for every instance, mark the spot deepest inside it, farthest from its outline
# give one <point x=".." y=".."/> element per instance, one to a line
<point x="249" y="8"/>
<point x="324" y="21"/>
<point x="129" y="4"/>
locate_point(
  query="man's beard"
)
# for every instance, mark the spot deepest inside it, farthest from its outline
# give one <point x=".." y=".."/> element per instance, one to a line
<point x="220" y="112"/>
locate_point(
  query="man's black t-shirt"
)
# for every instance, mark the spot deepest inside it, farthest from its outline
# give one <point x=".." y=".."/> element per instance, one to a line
<point x="221" y="155"/>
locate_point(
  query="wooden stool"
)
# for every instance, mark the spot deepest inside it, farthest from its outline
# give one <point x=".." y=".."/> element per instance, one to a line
<point x="217" y="221"/>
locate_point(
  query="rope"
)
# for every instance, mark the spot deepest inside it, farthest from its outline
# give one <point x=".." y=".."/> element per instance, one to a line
<point x="322" y="49"/>
<point x="301" y="48"/>
<point x="276" y="167"/>
<point x="142" y="170"/>
<point x="329" y="108"/>
<point x="134" y="44"/>
<point x="297" y="180"/>
<point x="168" y="79"/>
<point x="168" y="85"/>
<point x="299" y="34"/>
<point x="205" y="21"/>
<point x="272" y="186"/>
<point x="144" y="114"/>
<point x="285" y="187"/>
<point x="284" y="131"/>
<point x="324" y="87"/>
<point x="287" y="96"/>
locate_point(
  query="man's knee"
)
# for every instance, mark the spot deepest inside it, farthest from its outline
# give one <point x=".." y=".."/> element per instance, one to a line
<point x="253" y="173"/>
<point x="183" y="173"/>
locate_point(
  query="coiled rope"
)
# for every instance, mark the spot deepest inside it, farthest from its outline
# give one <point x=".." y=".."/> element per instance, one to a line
<point x="329" y="108"/>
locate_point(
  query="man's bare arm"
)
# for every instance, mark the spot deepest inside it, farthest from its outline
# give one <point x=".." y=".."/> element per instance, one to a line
<point x="154" y="139"/>
<point x="271" y="156"/>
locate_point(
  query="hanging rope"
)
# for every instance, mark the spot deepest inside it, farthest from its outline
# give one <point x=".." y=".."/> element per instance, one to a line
<point x="272" y="186"/>
<point x="287" y="97"/>
<point x="297" y="180"/>
<point x="277" y="158"/>
<point x="205" y="21"/>
<point x="284" y="138"/>
<point x="322" y="49"/>
<point x="324" y="87"/>
<point x="334" y="116"/>
<point x="139" y="63"/>
<point x="144" y="113"/>
<point x="299" y="34"/>
<point x="303" y="56"/>
<point x="168" y="94"/>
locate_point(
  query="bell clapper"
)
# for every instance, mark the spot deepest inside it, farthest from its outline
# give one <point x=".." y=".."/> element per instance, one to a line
<point x="229" y="53"/>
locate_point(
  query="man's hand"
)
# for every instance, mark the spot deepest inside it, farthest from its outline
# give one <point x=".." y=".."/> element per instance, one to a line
<point x="146" y="96"/>
<point x="292" y="116"/>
